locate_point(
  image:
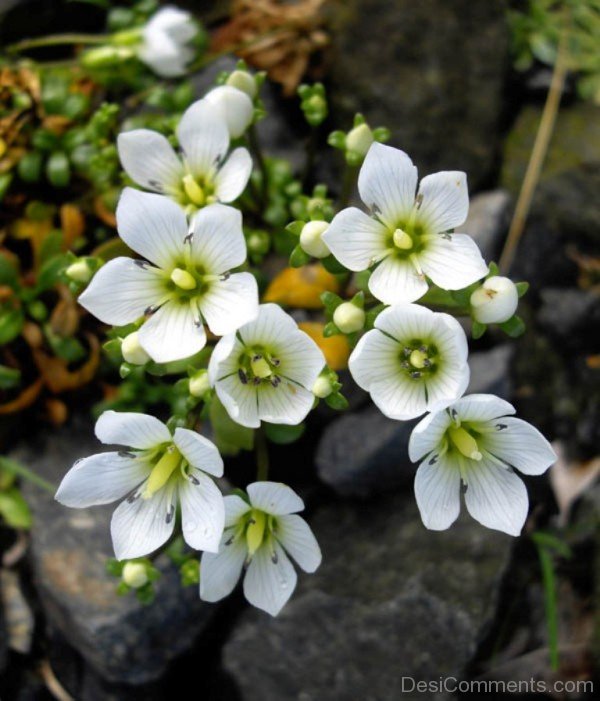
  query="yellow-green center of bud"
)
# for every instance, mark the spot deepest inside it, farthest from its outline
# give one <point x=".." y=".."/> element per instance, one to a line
<point x="255" y="532"/>
<point x="193" y="190"/>
<point x="260" y="367"/>
<point x="464" y="443"/>
<point x="183" y="279"/>
<point x="402" y="240"/>
<point x="161" y="472"/>
<point x="418" y="359"/>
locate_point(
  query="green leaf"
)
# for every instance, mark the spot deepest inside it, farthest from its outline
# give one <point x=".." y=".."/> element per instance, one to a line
<point x="478" y="329"/>
<point x="229" y="436"/>
<point x="51" y="245"/>
<point x="9" y="377"/>
<point x="9" y="273"/>
<point x="14" y="509"/>
<point x="514" y="327"/>
<point x="50" y="272"/>
<point x="11" y="323"/>
<point x="282" y="434"/>
<point x="19" y="470"/>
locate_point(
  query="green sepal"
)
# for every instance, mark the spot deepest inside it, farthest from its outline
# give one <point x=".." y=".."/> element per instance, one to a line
<point x="514" y="327"/>
<point x="282" y="434"/>
<point x="331" y="301"/>
<point x="493" y="269"/>
<point x="337" y="139"/>
<point x="113" y="567"/>
<point x="299" y="257"/>
<point x="478" y="329"/>
<point x="522" y="288"/>
<point x="330" y="330"/>
<point x="337" y="401"/>
<point x="332" y="265"/>
<point x="296" y="227"/>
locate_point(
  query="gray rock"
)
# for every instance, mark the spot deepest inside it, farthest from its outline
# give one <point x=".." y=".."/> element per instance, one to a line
<point x="570" y="314"/>
<point x="391" y="600"/>
<point x="124" y="641"/>
<point x="400" y="64"/>
<point x="366" y="453"/>
<point x="488" y="220"/>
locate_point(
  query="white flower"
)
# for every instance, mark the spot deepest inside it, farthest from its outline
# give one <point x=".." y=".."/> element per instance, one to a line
<point x="244" y="81"/>
<point x="257" y="535"/>
<point x="311" y="239"/>
<point x="266" y="370"/>
<point x="474" y="440"/>
<point x="165" y="39"/>
<point x="495" y="301"/>
<point x="203" y="175"/>
<point x="413" y="361"/>
<point x="153" y="475"/>
<point x="405" y="235"/>
<point x="234" y="107"/>
<point x="186" y="281"/>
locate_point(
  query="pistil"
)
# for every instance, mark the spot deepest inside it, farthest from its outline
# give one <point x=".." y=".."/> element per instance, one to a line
<point x="402" y="240"/>
<point x="193" y="190"/>
<point x="183" y="279"/>
<point x="464" y="443"/>
<point x="161" y="472"/>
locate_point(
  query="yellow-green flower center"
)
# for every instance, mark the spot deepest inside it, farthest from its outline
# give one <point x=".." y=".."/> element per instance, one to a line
<point x="464" y="442"/>
<point x="162" y="471"/>
<point x="257" y="366"/>
<point x="419" y="359"/>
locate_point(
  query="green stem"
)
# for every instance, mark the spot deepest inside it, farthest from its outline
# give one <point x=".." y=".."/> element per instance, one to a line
<point x="56" y="40"/>
<point x="21" y="471"/>
<point x="348" y="185"/>
<point x="262" y="166"/>
<point x="262" y="455"/>
<point x="549" y="584"/>
<point x="311" y="152"/>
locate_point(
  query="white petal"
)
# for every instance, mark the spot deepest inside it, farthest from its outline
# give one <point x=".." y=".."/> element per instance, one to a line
<point x="406" y="322"/>
<point x="233" y="177"/>
<point x="140" y="527"/>
<point x="396" y="280"/>
<point x="447" y="385"/>
<point x="495" y="496"/>
<point x="427" y="434"/>
<point x="199" y="451"/>
<point x="454" y="263"/>
<point x="131" y="429"/>
<point x="240" y="400"/>
<point x="287" y="403"/>
<point x="174" y="332"/>
<point x="121" y="291"/>
<point x="482" y="407"/>
<point x="203" y="137"/>
<point x="301" y="359"/>
<point x="375" y="358"/>
<point x="444" y="200"/>
<point x="177" y="23"/>
<point x="219" y="573"/>
<point x="270" y="579"/>
<point x="163" y="55"/>
<point x="299" y="541"/>
<point x="400" y="397"/>
<point x="234" y="107"/>
<point x="202" y="512"/>
<point x="387" y="182"/>
<point x="274" y="498"/>
<point x="272" y="326"/>
<point x="229" y="304"/>
<point x="450" y="339"/>
<point x="235" y="508"/>
<point x="218" y="243"/>
<point x="356" y="239"/>
<point x="520" y="445"/>
<point x="101" y="479"/>
<point x="224" y="358"/>
<point x="437" y="490"/>
<point x="152" y="225"/>
<point x="149" y="160"/>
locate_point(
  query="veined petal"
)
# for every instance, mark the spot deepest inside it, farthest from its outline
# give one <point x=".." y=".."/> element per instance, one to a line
<point x="152" y="225"/>
<point x="387" y="182"/>
<point x="356" y="239"/>
<point x="219" y="573"/>
<point x="149" y="160"/>
<point x="202" y="512"/>
<point x="437" y="490"/>
<point x="231" y="303"/>
<point x="174" y="332"/>
<point x="453" y="263"/>
<point x="199" y="451"/>
<point x="520" y="445"/>
<point x="482" y="407"/>
<point x="400" y="397"/>
<point x="444" y="200"/>
<point x="235" y="508"/>
<point x="406" y="321"/>
<point x="121" y="291"/>
<point x="450" y="339"/>
<point x="131" y="429"/>
<point x="224" y="358"/>
<point x="375" y="358"/>
<point x="234" y="107"/>
<point x="274" y="498"/>
<point x="140" y="527"/>
<point x="270" y="579"/>
<point x="295" y="535"/>
<point x="272" y="326"/>
<point x="301" y="359"/>
<point x="218" y="243"/>
<point x="233" y="177"/>
<point x="240" y="400"/>
<point x="203" y="137"/>
<point x="287" y="403"/>
<point x="447" y="385"/>
<point x="101" y="479"/>
<point x="396" y="280"/>
<point x="427" y="435"/>
<point x="496" y="496"/>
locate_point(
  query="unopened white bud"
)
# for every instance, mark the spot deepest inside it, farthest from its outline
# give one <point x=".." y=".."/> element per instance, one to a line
<point x="134" y="574"/>
<point x="495" y="301"/>
<point x="79" y="271"/>
<point x="244" y="81"/>
<point x="359" y="139"/>
<point x="233" y="106"/>
<point x="199" y="384"/>
<point x="132" y="351"/>
<point x="322" y="387"/>
<point x="311" y="239"/>
<point x="349" y="318"/>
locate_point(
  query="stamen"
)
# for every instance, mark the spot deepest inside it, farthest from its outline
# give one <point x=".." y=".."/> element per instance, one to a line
<point x="170" y="513"/>
<point x="415" y="375"/>
<point x="243" y="377"/>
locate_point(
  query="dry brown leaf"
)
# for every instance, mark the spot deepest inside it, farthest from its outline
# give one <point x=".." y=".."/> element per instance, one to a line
<point x="570" y="479"/>
<point x="104" y="213"/>
<point x="64" y="320"/>
<point x="72" y="223"/>
<point x="56" y="411"/>
<point x="56" y="374"/>
<point x="25" y="399"/>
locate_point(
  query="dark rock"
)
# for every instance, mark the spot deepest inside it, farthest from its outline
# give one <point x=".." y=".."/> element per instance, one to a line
<point x="3" y="641"/>
<point x="443" y="103"/>
<point x="391" y="600"/>
<point x="366" y="453"/>
<point x="122" y="640"/>
<point x="488" y="220"/>
<point x="570" y="314"/>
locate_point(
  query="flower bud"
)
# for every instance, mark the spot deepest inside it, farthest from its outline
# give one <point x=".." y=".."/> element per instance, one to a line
<point x="79" y="271"/>
<point x="322" y="387"/>
<point x="495" y="301"/>
<point x="106" y="56"/>
<point x="135" y="574"/>
<point x="132" y="351"/>
<point x="244" y="81"/>
<point x="311" y="239"/>
<point x="199" y="384"/>
<point x="360" y="139"/>
<point x="349" y="318"/>
<point x="234" y="107"/>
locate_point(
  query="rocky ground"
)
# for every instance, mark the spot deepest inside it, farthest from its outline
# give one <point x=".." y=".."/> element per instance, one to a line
<point x="391" y="599"/>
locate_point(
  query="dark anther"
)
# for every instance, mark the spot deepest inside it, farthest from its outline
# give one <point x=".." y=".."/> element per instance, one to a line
<point x="229" y="541"/>
<point x="433" y="460"/>
<point x="419" y="200"/>
<point x="275" y="381"/>
<point x="155" y="185"/>
<point x="125" y="454"/>
<point x="256" y="357"/>
<point x="189" y="237"/>
<point x="423" y="349"/>
<point x="141" y="263"/>
<point x="198" y="322"/>
<point x="243" y="377"/>
<point x="407" y="352"/>
<point x="415" y="375"/>
<point x="152" y="309"/>
<point x="170" y="513"/>
<point x="225" y="276"/>
<point x="193" y="480"/>
<point x="427" y="363"/>
<point x="405" y="364"/>
<point x="275" y="362"/>
<point x="501" y="427"/>
<point x="256" y="381"/>
<point x="133" y="497"/>
<point x="274" y="558"/>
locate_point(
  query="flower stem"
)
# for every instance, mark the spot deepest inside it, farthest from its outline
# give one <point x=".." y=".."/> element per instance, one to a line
<point x="348" y="185"/>
<point x="262" y="455"/>
<point x="311" y="152"/>
<point x="262" y="166"/>
<point x="56" y="40"/>
<point x="25" y="473"/>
